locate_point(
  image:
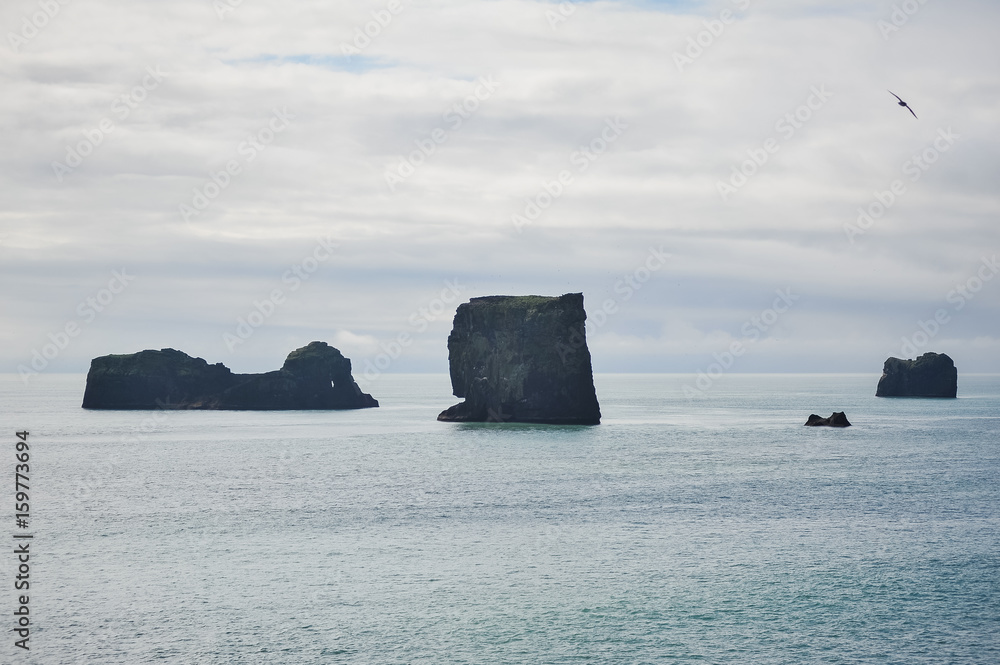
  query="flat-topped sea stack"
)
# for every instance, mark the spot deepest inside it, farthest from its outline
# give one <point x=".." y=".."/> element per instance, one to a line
<point x="317" y="376"/>
<point x="522" y="359"/>
<point x="930" y="375"/>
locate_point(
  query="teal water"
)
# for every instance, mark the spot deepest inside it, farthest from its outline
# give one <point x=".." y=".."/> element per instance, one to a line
<point x="709" y="530"/>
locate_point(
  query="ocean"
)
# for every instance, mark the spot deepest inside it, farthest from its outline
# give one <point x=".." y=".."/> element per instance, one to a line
<point x="714" y="529"/>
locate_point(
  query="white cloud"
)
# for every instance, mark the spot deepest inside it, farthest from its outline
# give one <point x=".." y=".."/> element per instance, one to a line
<point x="356" y="117"/>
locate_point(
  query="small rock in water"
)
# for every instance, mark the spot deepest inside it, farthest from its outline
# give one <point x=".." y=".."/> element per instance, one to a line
<point x="838" y="419"/>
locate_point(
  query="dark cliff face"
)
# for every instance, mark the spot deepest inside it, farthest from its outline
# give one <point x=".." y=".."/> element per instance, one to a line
<point x="522" y="359"/>
<point x="316" y="376"/>
<point x="930" y="375"/>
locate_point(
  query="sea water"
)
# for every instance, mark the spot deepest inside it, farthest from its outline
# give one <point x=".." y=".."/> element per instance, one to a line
<point x="714" y="529"/>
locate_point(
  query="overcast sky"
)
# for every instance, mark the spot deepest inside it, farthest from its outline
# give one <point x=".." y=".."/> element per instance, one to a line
<point x="383" y="161"/>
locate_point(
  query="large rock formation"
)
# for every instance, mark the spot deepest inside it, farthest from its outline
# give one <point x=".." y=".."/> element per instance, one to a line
<point x="522" y="359"/>
<point x="316" y="376"/>
<point x="930" y="375"/>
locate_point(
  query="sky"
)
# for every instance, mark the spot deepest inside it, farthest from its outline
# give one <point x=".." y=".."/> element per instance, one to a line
<point x="731" y="185"/>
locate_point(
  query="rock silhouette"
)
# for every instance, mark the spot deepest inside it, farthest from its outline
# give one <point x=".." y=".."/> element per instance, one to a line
<point x="838" y="419"/>
<point x="316" y="376"/>
<point x="930" y="375"/>
<point x="522" y="359"/>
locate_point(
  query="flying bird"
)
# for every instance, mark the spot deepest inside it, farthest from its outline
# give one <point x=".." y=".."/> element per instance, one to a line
<point x="903" y="104"/>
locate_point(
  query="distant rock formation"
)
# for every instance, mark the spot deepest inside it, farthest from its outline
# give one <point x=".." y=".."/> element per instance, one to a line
<point x="838" y="419"/>
<point x="522" y="359"/>
<point x="317" y="376"/>
<point x="930" y="375"/>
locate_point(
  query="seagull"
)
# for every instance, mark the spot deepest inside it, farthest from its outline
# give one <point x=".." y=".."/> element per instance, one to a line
<point x="903" y="104"/>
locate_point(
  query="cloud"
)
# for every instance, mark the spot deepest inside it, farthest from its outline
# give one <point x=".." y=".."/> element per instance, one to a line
<point x="356" y="117"/>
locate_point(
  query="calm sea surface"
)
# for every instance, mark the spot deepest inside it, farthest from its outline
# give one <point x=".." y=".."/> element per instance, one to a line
<point x="710" y="530"/>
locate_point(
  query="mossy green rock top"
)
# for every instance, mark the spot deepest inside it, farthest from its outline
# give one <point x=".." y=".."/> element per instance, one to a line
<point x="317" y="376"/>
<point x="522" y="359"/>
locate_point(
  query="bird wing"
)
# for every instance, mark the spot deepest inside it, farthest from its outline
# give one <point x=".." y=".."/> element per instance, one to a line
<point x="911" y="111"/>
<point x="896" y="96"/>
